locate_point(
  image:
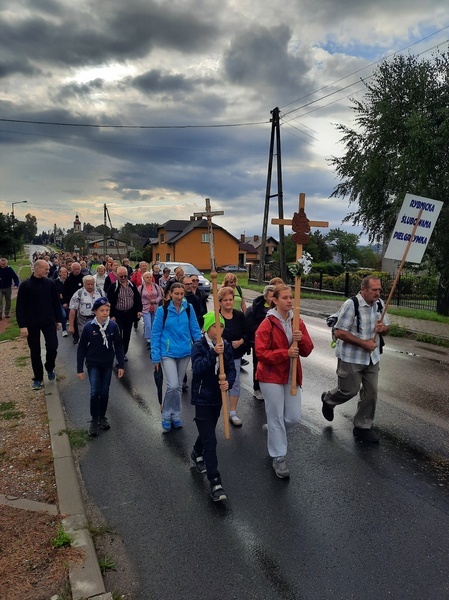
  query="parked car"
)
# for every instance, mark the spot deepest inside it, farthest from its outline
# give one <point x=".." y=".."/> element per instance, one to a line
<point x="189" y="269"/>
<point x="231" y="269"/>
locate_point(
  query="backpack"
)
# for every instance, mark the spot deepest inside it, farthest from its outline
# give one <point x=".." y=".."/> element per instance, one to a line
<point x="331" y="321"/>
<point x="165" y="308"/>
<point x="87" y="310"/>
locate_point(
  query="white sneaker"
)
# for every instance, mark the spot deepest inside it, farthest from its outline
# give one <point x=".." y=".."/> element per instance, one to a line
<point x="280" y="467"/>
<point x="257" y="394"/>
<point x="235" y="420"/>
<point x="64" y="334"/>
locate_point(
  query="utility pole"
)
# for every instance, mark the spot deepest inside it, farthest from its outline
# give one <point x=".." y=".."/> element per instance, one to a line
<point x="275" y="136"/>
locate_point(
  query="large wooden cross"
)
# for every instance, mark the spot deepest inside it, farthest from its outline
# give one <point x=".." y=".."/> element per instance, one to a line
<point x="301" y="226"/>
<point x="208" y="214"/>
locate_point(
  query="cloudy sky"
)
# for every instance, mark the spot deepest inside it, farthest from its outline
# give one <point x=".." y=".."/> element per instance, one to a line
<point x="152" y="106"/>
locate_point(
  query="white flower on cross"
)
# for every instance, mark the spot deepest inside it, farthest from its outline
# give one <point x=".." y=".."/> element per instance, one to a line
<point x="303" y="265"/>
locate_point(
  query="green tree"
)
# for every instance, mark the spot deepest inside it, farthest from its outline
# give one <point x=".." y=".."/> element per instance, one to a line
<point x="344" y="245"/>
<point x="368" y="258"/>
<point x="399" y="145"/>
<point x="73" y="240"/>
<point x="318" y="248"/>
<point x="6" y="237"/>
<point x="30" y="228"/>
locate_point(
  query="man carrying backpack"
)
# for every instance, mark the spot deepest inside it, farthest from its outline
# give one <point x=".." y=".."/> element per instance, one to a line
<point x="358" y="353"/>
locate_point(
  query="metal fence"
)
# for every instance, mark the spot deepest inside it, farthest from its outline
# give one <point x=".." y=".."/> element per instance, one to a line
<point x="412" y="291"/>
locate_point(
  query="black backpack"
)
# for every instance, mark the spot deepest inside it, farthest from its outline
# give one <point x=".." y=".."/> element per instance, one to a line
<point x="331" y="321"/>
<point x="165" y="308"/>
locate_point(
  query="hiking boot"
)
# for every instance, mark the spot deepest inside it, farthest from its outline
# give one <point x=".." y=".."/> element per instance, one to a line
<point x="64" y="334"/>
<point x="217" y="493"/>
<point x="104" y="423"/>
<point x="94" y="428"/>
<point x="257" y="394"/>
<point x="326" y="409"/>
<point x="177" y="423"/>
<point x="36" y="385"/>
<point x="200" y="465"/>
<point x="166" y="424"/>
<point x="280" y="467"/>
<point x="366" y="436"/>
<point x="51" y="375"/>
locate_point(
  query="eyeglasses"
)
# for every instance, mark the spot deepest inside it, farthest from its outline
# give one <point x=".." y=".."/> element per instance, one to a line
<point x="195" y="280"/>
<point x="123" y="276"/>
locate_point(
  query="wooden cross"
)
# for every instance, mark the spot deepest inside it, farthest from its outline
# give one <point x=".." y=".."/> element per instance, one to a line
<point x="301" y="226"/>
<point x="208" y="213"/>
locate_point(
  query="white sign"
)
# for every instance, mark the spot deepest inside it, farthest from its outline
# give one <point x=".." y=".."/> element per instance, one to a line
<point x="405" y="223"/>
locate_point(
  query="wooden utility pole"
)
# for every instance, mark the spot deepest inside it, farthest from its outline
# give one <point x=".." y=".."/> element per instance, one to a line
<point x="275" y="135"/>
<point x="301" y="226"/>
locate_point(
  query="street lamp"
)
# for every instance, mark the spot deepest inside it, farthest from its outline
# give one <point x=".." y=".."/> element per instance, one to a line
<point x="13" y="225"/>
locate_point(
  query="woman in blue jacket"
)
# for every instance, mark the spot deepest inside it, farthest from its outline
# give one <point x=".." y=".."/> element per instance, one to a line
<point x="175" y="328"/>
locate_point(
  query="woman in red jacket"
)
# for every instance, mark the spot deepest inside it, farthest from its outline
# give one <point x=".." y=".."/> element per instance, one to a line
<point x="275" y="349"/>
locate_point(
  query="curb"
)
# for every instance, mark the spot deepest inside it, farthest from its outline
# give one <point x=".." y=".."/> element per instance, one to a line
<point x="85" y="578"/>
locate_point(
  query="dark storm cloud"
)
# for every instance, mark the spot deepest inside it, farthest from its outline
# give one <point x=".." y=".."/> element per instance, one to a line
<point x="10" y="67"/>
<point x="78" y="90"/>
<point x="104" y="33"/>
<point x="259" y="57"/>
<point x="156" y="81"/>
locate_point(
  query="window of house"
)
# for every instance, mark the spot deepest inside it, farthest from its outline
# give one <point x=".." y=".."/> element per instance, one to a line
<point x="111" y="243"/>
<point x="162" y="238"/>
<point x="158" y="257"/>
<point x="205" y="238"/>
<point x="168" y="257"/>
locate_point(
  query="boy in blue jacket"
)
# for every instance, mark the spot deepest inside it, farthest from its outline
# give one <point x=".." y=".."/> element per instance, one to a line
<point x="206" y="396"/>
<point x="100" y="341"/>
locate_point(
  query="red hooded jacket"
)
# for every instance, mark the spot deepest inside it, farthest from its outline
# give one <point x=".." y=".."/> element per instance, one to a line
<point x="272" y="351"/>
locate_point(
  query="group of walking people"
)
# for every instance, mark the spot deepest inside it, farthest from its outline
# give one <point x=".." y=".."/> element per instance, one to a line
<point x="179" y="330"/>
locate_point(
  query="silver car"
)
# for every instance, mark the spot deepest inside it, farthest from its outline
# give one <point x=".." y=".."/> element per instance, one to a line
<point x="189" y="269"/>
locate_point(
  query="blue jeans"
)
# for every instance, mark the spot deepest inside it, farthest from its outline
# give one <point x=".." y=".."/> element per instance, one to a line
<point x="148" y="320"/>
<point x="174" y="371"/>
<point x="64" y="318"/>
<point x="100" y="380"/>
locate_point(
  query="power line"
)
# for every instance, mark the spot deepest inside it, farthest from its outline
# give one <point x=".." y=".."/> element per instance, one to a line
<point x="58" y="124"/>
<point x="358" y="71"/>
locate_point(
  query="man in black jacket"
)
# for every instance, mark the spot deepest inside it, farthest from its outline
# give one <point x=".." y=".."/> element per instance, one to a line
<point x="38" y="310"/>
<point x="7" y="277"/>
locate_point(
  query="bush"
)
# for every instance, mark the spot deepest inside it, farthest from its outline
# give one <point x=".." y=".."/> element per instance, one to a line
<point x="136" y="256"/>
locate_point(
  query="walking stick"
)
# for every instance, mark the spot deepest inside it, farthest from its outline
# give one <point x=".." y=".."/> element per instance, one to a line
<point x="221" y="372"/>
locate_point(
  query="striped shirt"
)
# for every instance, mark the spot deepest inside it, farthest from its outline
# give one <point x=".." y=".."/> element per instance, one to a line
<point x="368" y="318"/>
<point x="125" y="298"/>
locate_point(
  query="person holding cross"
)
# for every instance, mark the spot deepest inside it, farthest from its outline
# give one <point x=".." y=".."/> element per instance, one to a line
<point x="206" y="397"/>
<point x="278" y="344"/>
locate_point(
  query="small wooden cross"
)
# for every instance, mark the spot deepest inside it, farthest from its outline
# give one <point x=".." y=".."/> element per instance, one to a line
<point x="301" y="226"/>
<point x="209" y="213"/>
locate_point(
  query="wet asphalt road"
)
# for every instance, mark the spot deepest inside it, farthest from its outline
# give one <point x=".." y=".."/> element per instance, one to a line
<point x="352" y="522"/>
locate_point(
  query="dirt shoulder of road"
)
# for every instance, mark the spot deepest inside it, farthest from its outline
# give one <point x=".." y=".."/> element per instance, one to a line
<point x="31" y="565"/>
